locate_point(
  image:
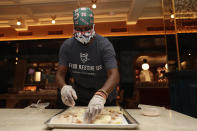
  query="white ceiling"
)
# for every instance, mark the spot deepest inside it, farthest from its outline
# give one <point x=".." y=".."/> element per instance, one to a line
<point x="40" y="12"/>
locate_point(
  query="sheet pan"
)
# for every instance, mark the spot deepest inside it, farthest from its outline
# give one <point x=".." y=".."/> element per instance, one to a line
<point x="128" y="123"/>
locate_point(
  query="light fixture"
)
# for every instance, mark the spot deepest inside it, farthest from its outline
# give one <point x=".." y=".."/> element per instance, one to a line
<point x="166" y="66"/>
<point x="53" y="19"/>
<point x="189" y="54"/>
<point x="35" y="64"/>
<point x="37" y="77"/>
<point x="94" y="4"/>
<point x="145" y="65"/>
<point x="18" y="22"/>
<point x="17" y="50"/>
<point x="172" y="16"/>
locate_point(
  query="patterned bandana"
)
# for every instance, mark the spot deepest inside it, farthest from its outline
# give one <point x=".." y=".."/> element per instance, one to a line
<point x="85" y="36"/>
<point x="83" y="16"/>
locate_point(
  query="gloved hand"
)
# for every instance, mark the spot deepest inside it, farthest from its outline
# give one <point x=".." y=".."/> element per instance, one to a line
<point x="95" y="107"/>
<point x="68" y="95"/>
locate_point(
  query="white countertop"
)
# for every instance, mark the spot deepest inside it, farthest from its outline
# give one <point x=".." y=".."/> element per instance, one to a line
<point x="25" y="119"/>
<point x="33" y="120"/>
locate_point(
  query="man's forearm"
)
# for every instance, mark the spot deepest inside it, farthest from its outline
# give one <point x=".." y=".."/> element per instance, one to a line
<point x="112" y="80"/>
<point x="60" y="76"/>
<point x="59" y="79"/>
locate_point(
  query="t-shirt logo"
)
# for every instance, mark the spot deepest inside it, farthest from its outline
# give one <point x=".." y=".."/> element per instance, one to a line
<point x="84" y="57"/>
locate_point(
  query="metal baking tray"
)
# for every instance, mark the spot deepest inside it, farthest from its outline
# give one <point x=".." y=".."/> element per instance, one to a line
<point x="129" y="123"/>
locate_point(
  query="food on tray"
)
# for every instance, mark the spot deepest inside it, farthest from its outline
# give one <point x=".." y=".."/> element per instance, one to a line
<point x="74" y="115"/>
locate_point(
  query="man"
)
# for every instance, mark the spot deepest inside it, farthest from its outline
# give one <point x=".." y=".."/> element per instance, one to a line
<point x="90" y="60"/>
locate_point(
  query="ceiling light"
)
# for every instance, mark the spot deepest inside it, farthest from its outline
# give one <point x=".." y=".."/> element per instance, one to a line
<point x="145" y="65"/>
<point x="18" y="23"/>
<point x="172" y="16"/>
<point x="93" y="4"/>
<point x="53" y="21"/>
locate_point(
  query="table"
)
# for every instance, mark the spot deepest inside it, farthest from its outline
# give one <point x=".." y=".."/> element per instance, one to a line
<point x="29" y="119"/>
<point x="33" y="120"/>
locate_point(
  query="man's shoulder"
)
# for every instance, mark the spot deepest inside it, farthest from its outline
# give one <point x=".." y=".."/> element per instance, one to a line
<point x="99" y="37"/>
<point x="102" y="39"/>
<point x="68" y="42"/>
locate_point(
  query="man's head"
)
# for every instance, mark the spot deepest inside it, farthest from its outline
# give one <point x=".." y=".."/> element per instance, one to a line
<point x="83" y="19"/>
<point x="83" y="16"/>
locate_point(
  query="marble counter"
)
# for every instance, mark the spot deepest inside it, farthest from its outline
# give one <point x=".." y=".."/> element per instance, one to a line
<point x="167" y="121"/>
<point x="25" y="119"/>
<point x="33" y="120"/>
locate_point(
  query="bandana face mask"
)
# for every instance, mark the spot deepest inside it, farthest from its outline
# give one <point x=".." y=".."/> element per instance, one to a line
<point x="84" y="36"/>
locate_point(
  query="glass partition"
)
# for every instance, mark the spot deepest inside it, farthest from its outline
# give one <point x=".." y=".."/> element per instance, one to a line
<point x="180" y="24"/>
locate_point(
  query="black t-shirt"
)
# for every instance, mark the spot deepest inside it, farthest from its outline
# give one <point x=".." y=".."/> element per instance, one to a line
<point x="88" y="64"/>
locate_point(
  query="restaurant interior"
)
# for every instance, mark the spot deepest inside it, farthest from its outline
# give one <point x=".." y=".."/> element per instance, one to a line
<point x="160" y="34"/>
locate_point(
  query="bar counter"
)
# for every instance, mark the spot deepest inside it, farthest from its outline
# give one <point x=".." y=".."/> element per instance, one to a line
<point x="32" y="119"/>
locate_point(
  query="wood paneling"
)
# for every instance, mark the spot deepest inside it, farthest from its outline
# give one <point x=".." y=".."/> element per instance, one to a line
<point x="103" y="28"/>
